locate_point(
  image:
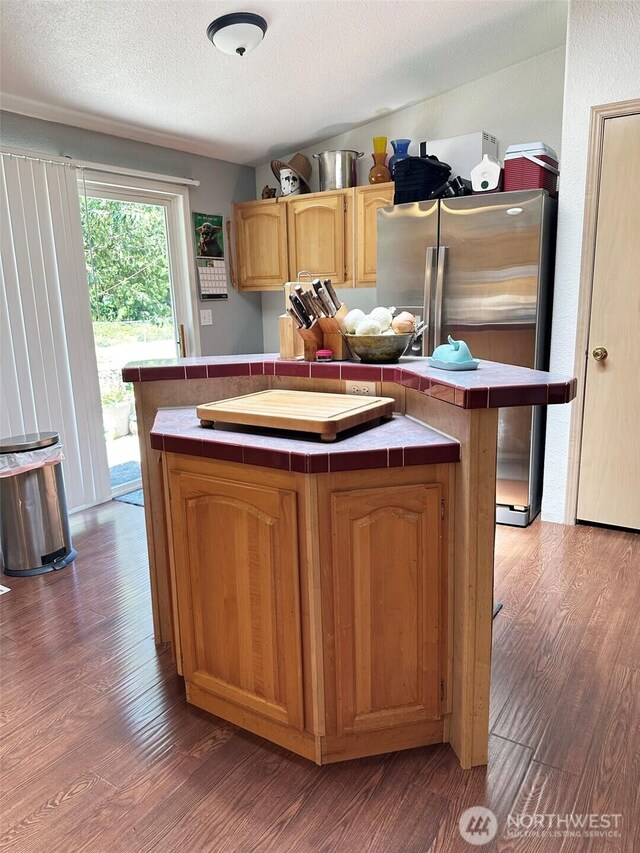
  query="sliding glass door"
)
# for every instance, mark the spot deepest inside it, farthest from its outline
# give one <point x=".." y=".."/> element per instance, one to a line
<point x="132" y="312"/>
<point x="139" y="302"/>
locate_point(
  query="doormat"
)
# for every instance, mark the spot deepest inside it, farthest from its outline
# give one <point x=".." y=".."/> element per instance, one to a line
<point x="124" y="472"/>
<point x="136" y="498"/>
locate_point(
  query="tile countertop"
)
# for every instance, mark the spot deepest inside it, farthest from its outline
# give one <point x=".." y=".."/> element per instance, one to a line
<point x="393" y="444"/>
<point x="492" y="385"/>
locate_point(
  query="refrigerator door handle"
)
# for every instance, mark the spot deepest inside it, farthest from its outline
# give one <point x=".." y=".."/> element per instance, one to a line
<point x="437" y="319"/>
<point x="426" y="299"/>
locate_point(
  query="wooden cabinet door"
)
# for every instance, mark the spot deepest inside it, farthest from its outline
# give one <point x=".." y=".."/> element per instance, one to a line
<point x="386" y="556"/>
<point x="261" y="245"/>
<point x="368" y="201"/>
<point x="237" y="577"/>
<point x="320" y="229"/>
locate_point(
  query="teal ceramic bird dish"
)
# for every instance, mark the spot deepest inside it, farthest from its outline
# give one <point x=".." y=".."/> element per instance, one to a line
<point x="453" y="356"/>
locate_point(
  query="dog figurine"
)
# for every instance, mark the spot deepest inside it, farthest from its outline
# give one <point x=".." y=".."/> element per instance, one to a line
<point x="268" y="192"/>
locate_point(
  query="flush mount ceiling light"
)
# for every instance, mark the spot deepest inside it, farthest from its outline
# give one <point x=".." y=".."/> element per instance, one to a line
<point x="237" y="33"/>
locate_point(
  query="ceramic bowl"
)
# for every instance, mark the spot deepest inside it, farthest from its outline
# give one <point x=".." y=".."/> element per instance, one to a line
<point x="379" y="349"/>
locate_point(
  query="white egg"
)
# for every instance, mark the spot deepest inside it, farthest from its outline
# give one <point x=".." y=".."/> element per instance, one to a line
<point x="368" y="326"/>
<point x="352" y="319"/>
<point x="383" y="316"/>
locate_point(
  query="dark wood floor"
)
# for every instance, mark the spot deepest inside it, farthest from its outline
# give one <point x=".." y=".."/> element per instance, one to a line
<point x="100" y="751"/>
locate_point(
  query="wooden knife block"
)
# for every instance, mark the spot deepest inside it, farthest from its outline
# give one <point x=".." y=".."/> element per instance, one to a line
<point x="291" y="344"/>
<point x="313" y="340"/>
<point x="325" y="333"/>
<point x="333" y="338"/>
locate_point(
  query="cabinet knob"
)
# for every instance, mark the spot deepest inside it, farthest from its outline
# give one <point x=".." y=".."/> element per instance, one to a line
<point x="600" y="353"/>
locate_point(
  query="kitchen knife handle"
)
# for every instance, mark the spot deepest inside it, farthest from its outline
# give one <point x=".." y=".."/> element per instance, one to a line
<point x="304" y="299"/>
<point x="322" y="297"/>
<point x="295" y="318"/>
<point x="327" y="303"/>
<point x="300" y="310"/>
<point x="307" y="301"/>
<point x="437" y="320"/>
<point x="428" y="278"/>
<point x="318" y="307"/>
<point x="332" y="294"/>
<point x="295" y="310"/>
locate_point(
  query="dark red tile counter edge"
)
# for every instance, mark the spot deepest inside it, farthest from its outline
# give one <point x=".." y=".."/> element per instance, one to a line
<point x="492" y="385"/>
<point x="393" y="444"/>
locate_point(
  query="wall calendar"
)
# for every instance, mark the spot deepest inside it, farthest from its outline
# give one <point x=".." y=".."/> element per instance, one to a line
<point x="209" y="246"/>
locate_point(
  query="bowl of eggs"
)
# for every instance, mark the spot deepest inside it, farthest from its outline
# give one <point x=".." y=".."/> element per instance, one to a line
<point x="379" y="337"/>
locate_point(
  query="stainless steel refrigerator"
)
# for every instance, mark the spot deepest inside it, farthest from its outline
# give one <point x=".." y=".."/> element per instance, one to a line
<point x="480" y="268"/>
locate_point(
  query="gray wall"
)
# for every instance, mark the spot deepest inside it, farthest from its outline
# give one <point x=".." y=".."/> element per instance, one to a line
<point x="237" y="322"/>
<point x="522" y="103"/>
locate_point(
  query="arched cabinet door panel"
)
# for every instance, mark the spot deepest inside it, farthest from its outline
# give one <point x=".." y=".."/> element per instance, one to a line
<point x="260" y="229"/>
<point x="237" y="576"/>
<point x="386" y="556"/>
<point x="320" y="230"/>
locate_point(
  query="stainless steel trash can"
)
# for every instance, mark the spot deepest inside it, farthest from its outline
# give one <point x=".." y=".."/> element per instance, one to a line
<point x="34" y="523"/>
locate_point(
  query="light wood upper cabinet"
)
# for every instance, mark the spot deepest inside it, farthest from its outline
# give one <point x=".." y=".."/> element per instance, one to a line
<point x="235" y="551"/>
<point x="320" y="235"/>
<point x="330" y="234"/>
<point x="261" y="244"/>
<point x="369" y="200"/>
<point x="386" y="558"/>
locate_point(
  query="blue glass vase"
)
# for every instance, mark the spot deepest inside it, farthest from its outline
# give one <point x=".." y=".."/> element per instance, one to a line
<point x="400" y="152"/>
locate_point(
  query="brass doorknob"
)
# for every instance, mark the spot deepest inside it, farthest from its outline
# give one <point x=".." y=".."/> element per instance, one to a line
<point x="600" y="353"/>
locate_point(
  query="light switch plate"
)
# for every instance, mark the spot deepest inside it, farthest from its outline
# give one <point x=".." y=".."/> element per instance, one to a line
<point x="206" y="317"/>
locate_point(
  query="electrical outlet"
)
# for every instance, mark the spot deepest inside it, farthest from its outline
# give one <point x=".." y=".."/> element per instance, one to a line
<point x="206" y="317"/>
<point x="364" y="389"/>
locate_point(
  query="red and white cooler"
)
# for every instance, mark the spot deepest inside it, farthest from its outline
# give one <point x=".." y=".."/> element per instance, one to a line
<point x="531" y="166"/>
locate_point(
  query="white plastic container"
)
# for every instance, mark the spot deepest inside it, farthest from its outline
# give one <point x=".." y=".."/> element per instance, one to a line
<point x="486" y="177"/>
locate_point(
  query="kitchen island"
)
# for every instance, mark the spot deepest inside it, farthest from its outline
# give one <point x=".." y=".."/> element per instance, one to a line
<point x="337" y="694"/>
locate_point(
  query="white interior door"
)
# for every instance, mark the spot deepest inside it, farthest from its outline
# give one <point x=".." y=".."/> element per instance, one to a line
<point x="609" y="482"/>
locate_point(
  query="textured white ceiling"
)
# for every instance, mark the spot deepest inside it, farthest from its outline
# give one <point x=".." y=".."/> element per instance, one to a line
<point x="145" y="69"/>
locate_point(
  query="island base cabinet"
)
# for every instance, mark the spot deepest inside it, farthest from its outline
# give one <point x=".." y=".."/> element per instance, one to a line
<point x="313" y="609"/>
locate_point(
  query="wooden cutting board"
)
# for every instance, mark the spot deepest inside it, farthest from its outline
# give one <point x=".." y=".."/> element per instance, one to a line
<point x="323" y="414"/>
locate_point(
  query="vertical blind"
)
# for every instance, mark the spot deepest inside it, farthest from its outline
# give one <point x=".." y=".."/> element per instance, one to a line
<point x="48" y="370"/>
